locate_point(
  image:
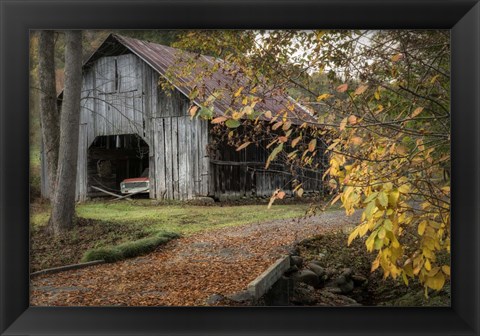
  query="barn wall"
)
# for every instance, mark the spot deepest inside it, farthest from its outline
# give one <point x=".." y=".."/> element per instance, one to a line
<point x="113" y="97"/>
<point x="181" y="162"/>
<point x="121" y="95"/>
<point x="242" y="173"/>
<point x="112" y="103"/>
<point x="129" y="101"/>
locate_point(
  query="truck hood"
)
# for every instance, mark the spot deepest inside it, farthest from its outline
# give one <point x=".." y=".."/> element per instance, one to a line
<point x="136" y="179"/>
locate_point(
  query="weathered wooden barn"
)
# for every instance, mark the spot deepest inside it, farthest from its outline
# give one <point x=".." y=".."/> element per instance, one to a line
<point x="129" y="123"/>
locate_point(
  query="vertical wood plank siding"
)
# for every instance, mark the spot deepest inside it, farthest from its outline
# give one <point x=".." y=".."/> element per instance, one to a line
<point x="237" y="174"/>
<point x="121" y="95"/>
<point x="182" y="154"/>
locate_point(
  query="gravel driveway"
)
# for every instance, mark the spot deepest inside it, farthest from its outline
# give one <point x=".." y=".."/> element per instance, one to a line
<point x="187" y="270"/>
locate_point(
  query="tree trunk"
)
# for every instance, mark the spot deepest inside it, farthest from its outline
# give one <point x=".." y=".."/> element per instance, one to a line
<point x="49" y="116"/>
<point x="63" y="202"/>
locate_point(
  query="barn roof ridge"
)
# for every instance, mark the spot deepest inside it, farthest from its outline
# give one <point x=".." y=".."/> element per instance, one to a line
<point x="161" y="58"/>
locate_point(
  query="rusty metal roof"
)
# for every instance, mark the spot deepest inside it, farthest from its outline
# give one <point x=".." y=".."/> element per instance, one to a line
<point x="207" y="76"/>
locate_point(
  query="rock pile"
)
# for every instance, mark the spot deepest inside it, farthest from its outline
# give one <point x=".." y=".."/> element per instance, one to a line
<point x="315" y="285"/>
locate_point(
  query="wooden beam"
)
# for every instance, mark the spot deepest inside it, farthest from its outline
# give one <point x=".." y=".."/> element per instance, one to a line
<point x="129" y="195"/>
<point x="106" y="192"/>
<point x="236" y="163"/>
<point x="119" y="197"/>
<point x="110" y="193"/>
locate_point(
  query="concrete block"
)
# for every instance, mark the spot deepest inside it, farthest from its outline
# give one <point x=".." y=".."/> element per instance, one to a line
<point x="258" y="287"/>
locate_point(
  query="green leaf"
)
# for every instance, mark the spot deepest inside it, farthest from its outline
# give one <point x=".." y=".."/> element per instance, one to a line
<point x="387" y="224"/>
<point x="193" y="94"/>
<point x="371" y="197"/>
<point x="381" y="233"/>
<point x="254" y="115"/>
<point x="232" y="123"/>
<point x="370" y="209"/>
<point x="383" y="199"/>
<point x="206" y="113"/>
<point x="370" y="241"/>
<point x="274" y="154"/>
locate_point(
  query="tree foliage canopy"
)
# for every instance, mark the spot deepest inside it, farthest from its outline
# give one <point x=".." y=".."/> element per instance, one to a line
<point x="380" y="107"/>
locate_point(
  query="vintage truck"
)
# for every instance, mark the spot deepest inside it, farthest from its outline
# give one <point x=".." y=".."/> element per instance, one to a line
<point x="136" y="185"/>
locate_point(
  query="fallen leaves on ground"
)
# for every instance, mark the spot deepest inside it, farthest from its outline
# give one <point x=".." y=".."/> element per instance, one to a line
<point x="186" y="271"/>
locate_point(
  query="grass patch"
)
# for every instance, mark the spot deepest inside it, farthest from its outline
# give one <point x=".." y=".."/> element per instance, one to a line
<point x="129" y="249"/>
<point x="115" y="230"/>
<point x="187" y="219"/>
<point x="180" y="218"/>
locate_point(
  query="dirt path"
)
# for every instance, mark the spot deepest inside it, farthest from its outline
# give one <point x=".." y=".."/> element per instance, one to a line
<point x="186" y="271"/>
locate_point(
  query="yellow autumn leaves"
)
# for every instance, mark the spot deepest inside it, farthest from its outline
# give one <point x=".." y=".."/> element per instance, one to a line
<point x="386" y="222"/>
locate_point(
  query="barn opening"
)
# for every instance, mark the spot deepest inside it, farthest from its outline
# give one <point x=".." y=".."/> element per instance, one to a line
<point x="114" y="158"/>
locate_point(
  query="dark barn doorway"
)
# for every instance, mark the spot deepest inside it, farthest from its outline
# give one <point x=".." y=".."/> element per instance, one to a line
<point x="114" y="158"/>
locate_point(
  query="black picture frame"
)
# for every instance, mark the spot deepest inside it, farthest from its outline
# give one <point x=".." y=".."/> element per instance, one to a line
<point x="19" y="16"/>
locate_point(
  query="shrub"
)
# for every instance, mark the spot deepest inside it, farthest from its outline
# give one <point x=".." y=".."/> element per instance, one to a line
<point x="109" y="254"/>
<point x="129" y="249"/>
